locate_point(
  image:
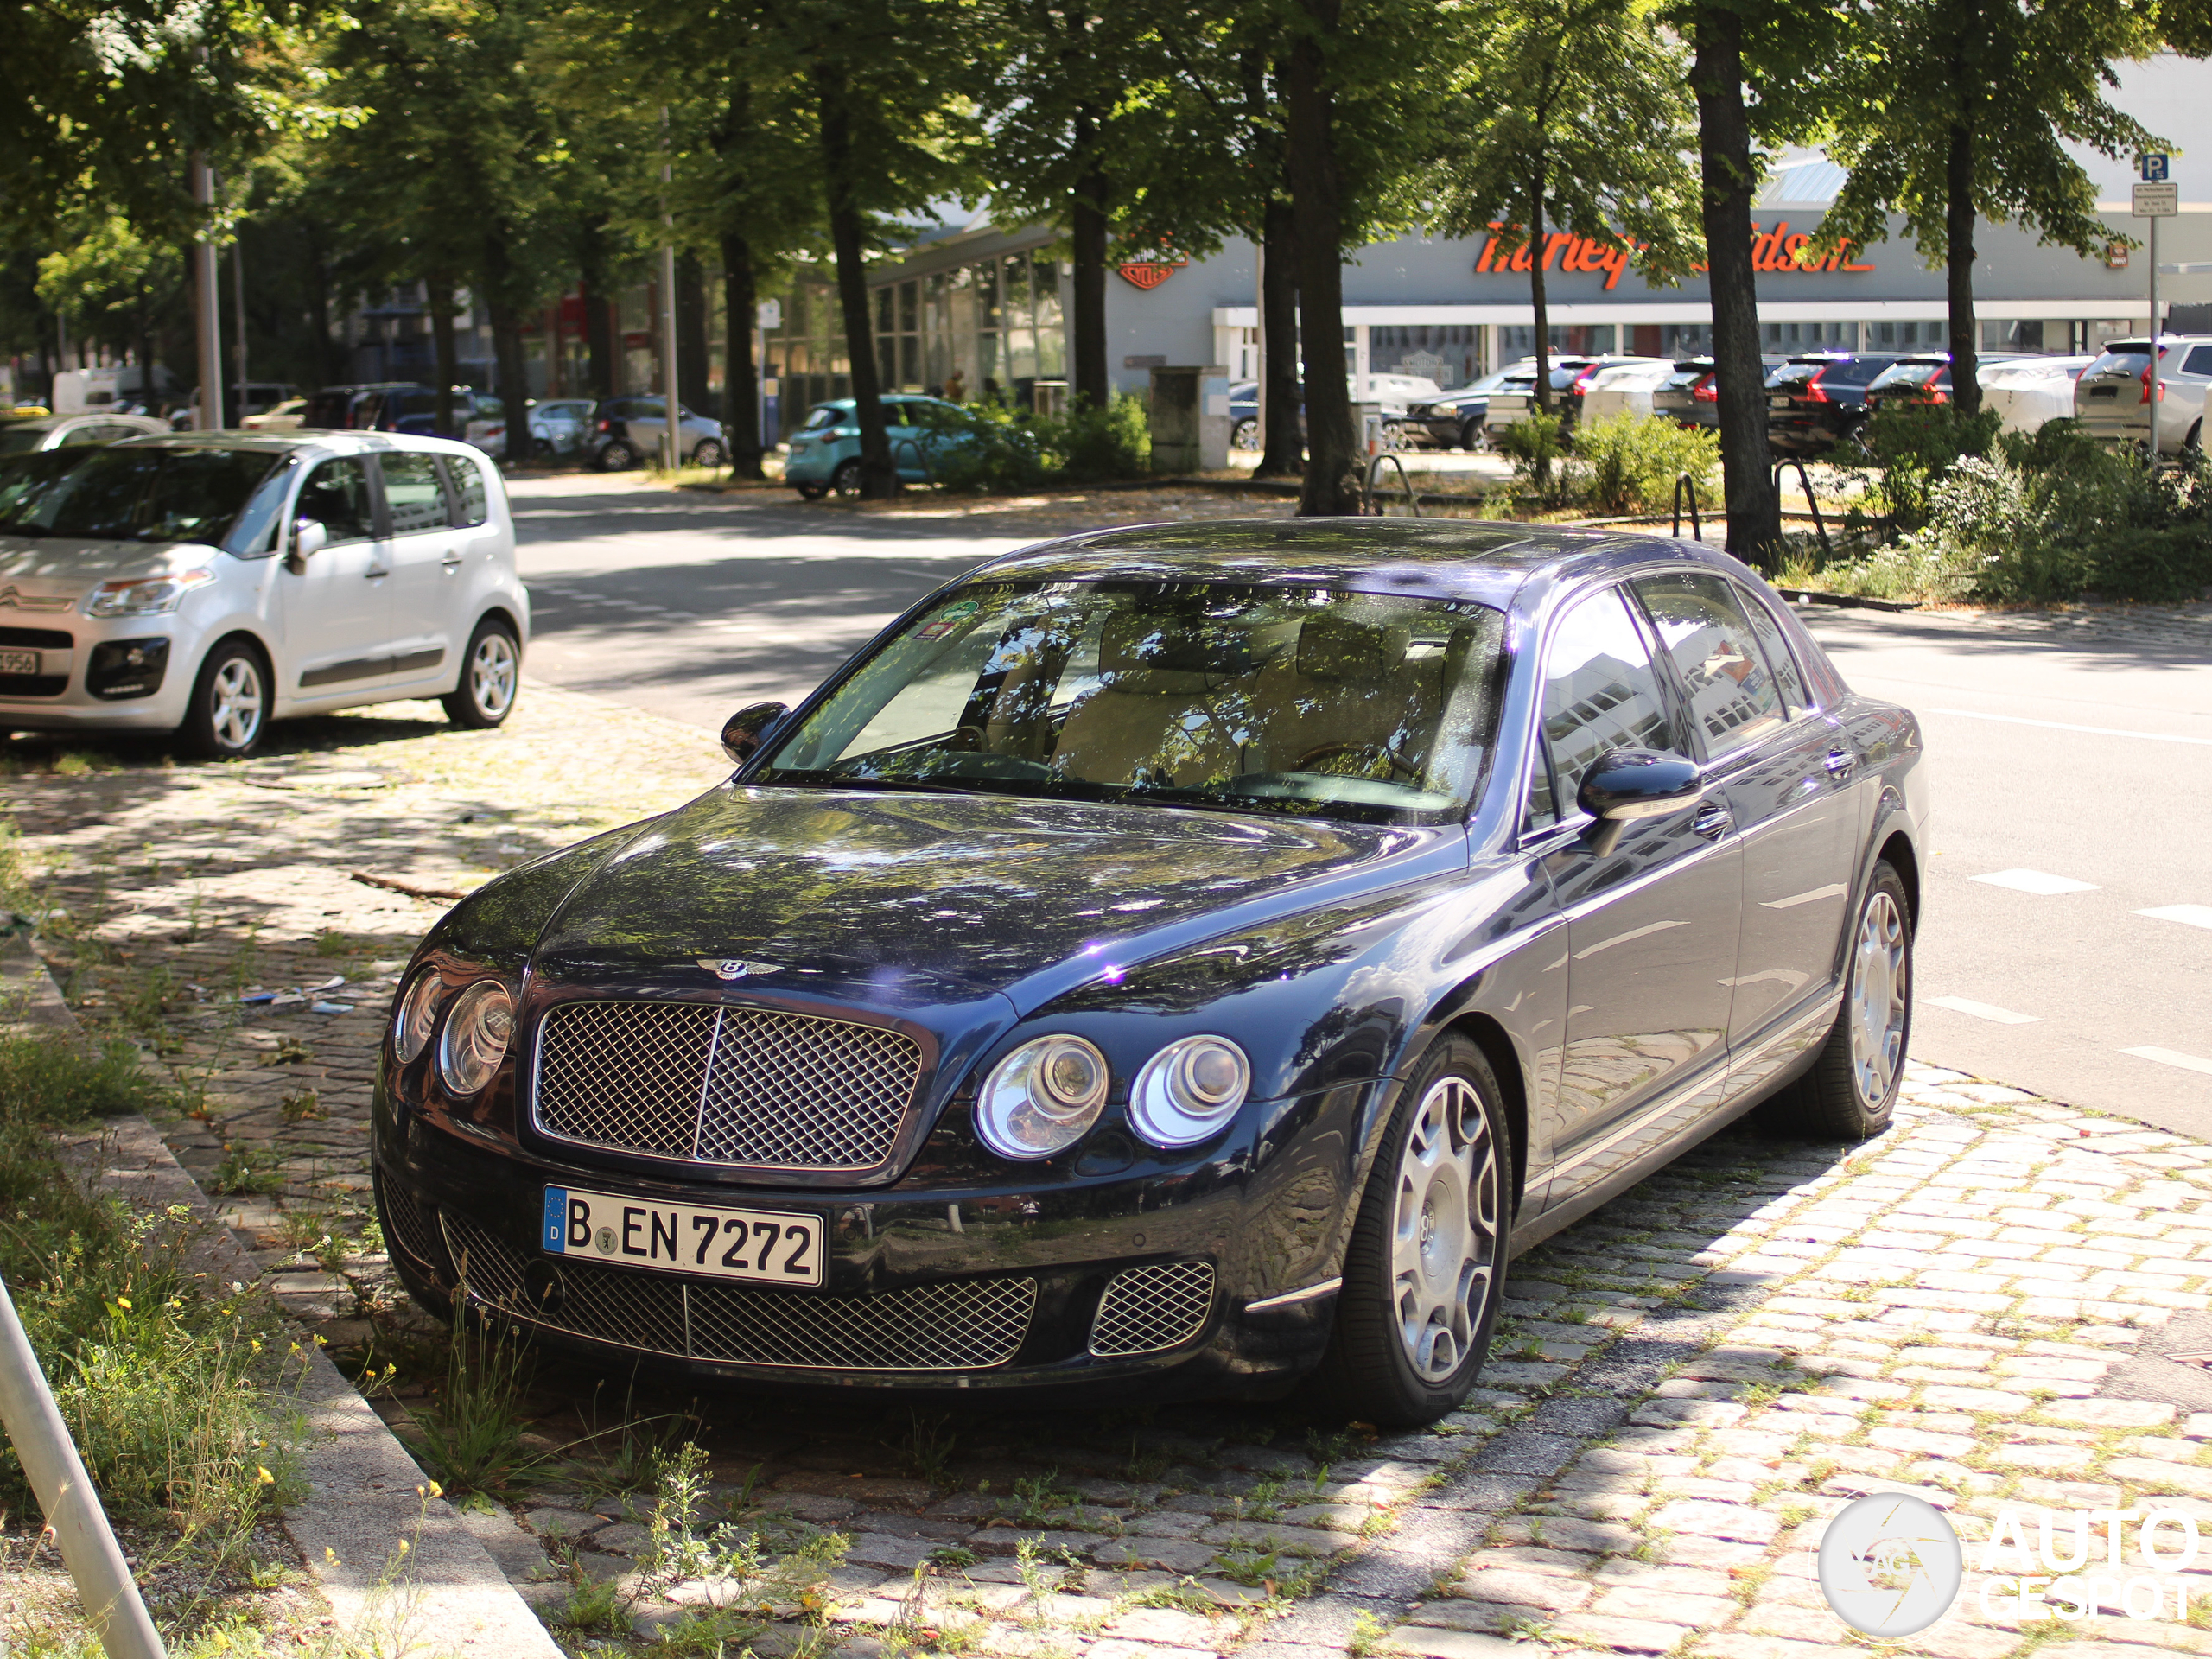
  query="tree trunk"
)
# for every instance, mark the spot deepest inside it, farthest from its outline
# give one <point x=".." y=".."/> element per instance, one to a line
<point x="599" y="323"/>
<point x="440" y="287"/>
<point x="691" y="357"/>
<point x="1089" y="380"/>
<point x="1725" y="152"/>
<point x="1537" y="299"/>
<point x="1285" y="454"/>
<point x="513" y="387"/>
<point x="1332" y="483"/>
<point x="1958" y="225"/>
<point x="741" y="377"/>
<point x="879" y="474"/>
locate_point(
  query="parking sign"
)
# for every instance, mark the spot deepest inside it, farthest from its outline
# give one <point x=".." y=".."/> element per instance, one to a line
<point x="2153" y="167"/>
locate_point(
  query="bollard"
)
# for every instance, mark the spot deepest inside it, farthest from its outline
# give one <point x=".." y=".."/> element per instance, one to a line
<point x="109" y="1594"/>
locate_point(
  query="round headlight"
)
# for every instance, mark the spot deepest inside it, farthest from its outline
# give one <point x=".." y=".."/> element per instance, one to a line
<point x="1187" y="1090"/>
<point x="417" y="1013"/>
<point x="475" y="1036"/>
<point x="1041" y="1098"/>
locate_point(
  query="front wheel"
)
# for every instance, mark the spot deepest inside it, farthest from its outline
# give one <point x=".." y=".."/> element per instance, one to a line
<point x="1425" y="1271"/>
<point x="811" y="492"/>
<point x="1851" y="1093"/>
<point x="491" y="675"/>
<point x="229" y="710"/>
<point x="1245" y="435"/>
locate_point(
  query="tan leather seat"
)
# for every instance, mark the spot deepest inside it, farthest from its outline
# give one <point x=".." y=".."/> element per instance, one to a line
<point x="1175" y="703"/>
<point x="1347" y="687"/>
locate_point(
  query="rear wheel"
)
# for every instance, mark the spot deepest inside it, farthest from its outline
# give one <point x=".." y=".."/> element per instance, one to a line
<point x="708" y="453"/>
<point x="846" y="480"/>
<point x="1425" y="1269"/>
<point x="491" y="675"/>
<point x="1245" y="435"/>
<point x="1851" y="1093"/>
<point x="229" y="710"/>
<point x="617" y="455"/>
<point x="811" y="492"/>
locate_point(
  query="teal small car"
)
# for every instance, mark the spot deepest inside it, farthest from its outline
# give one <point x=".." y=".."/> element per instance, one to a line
<point x="825" y="453"/>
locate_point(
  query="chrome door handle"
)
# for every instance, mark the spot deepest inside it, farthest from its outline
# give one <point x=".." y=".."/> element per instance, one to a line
<point x="1840" y="762"/>
<point x="1713" y="821"/>
<point x="374" y="571"/>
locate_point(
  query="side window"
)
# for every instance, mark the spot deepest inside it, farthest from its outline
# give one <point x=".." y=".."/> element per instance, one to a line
<point x="337" y="494"/>
<point x="412" y="491"/>
<point x="80" y="436"/>
<point x="2199" y="361"/>
<point x="1733" y="694"/>
<point x="1601" y="691"/>
<point x="1777" y="646"/>
<point x="469" y="504"/>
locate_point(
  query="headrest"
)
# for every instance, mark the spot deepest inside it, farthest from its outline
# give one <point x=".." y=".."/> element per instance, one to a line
<point x="1178" y="643"/>
<point x="1332" y="647"/>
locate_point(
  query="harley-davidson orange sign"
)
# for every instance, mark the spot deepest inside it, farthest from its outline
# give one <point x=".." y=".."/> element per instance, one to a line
<point x="1775" y="250"/>
<point x="1148" y="274"/>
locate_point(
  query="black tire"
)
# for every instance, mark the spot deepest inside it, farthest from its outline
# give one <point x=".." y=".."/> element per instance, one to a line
<point x="617" y="454"/>
<point x="229" y="711"/>
<point x="709" y="453"/>
<point x="1472" y="438"/>
<point x="811" y="492"/>
<point x="846" y="480"/>
<point x="1842" y="1099"/>
<point x="2193" y="445"/>
<point x="1370" y="1371"/>
<point x="490" y="677"/>
<point x="1245" y="435"/>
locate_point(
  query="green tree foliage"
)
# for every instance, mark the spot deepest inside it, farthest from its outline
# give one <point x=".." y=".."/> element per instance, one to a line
<point x="111" y="284"/>
<point x="1952" y="112"/>
<point x="1572" y="117"/>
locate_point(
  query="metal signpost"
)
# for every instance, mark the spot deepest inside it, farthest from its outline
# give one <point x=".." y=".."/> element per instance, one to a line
<point x="2156" y="198"/>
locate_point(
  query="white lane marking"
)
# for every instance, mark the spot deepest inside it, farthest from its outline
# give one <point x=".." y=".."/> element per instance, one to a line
<point x="2035" y="881"/>
<point x="2172" y="1056"/>
<point x="2194" y="915"/>
<point x="1834" y="889"/>
<point x="1984" y="1010"/>
<point x="2064" y="726"/>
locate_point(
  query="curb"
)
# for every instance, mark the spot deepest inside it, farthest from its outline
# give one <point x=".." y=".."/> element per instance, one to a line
<point x="367" y="1493"/>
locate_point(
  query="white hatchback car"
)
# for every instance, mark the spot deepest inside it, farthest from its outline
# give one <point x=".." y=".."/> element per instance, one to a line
<point x="207" y="583"/>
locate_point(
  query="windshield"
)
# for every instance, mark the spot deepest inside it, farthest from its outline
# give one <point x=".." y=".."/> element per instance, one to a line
<point x="131" y="494"/>
<point x="1302" y="700"/>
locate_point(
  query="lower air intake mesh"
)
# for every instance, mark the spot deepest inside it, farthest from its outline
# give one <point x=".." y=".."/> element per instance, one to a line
<point x="1147" y="1309"/>
<point x="967" y="1326"/>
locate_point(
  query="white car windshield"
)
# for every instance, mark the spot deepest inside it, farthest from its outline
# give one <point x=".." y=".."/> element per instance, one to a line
<point x="1305" y="699"/>
<point x="130" y="494"/>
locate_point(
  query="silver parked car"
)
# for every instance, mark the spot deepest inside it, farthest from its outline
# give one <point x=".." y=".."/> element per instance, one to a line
<point x="2112" y="398"/>
<point x="74" y="431"/>
<point x="628" y="431"/>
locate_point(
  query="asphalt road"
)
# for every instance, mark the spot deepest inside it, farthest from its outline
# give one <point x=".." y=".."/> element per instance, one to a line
<point x="2072" y="763"/>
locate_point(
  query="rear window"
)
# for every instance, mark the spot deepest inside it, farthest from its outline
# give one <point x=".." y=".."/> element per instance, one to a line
<point x="2126" y="359"/>
<point x="1911" y="374"/>
<point x="1795" y="374"/>
<point x="822" y="419"/>
<point x="2199" y="361"/>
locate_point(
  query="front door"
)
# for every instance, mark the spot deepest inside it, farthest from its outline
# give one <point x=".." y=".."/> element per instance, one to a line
<point x="337" y="604"/>
<point x="1785" y="776"/>
<point x="1651" y="924"/>
<point x="425" y="555"/>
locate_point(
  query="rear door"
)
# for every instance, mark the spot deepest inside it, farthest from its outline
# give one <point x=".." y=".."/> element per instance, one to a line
<point x="336" y="604"/>
<point x="424" y="558"/>
<point x="1652" y="925"/>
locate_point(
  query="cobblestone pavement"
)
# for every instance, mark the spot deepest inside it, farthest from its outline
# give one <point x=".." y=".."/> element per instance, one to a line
<point x="1686" y="1386"/>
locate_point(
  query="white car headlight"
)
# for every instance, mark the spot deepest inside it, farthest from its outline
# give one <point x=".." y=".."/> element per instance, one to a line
<point x="1042" y="1098"/>
<point x="146" y="596"/>
<point x="417" y="1015"/>
<point x="474" y="1039"/>
<point x="1187" y="1090"/>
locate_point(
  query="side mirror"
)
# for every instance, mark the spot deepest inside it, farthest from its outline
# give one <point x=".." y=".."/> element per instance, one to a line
<point x="1624" y="784"/>
<point x="745" y="731"/>
<point x="310" y="538"/>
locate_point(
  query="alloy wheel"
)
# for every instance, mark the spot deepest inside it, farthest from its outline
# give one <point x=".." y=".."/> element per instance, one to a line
<point x="1444" y="1235"/>
<point x="1879" y="998"/>
<point x="234" y="703"/>
<point x="492" y="667"/>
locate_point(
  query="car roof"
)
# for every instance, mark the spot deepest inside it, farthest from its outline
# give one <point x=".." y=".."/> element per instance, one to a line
<point x="324" y="441"/>
<point x="1427" y="559"/>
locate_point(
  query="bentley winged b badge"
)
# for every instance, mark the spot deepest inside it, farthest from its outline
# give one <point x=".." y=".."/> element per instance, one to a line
<point x="735" y="967"/>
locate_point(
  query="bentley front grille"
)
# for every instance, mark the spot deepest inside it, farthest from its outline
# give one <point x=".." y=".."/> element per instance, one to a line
<point x="748" y="1088"/>
<point x="407" y="1224"/>
<point x="1148" y="1310"/>
<point x="972" y="1324"/>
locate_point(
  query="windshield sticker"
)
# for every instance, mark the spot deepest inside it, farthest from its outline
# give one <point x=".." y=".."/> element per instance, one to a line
<point x="949" y="620"/>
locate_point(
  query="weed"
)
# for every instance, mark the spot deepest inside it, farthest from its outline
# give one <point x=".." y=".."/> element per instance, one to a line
<point x="929" y="1448"/>
<point x="300" y="1105"/>
<point x="1036" y="1504"/>
<point x="1145" y="1466"/>
<point x="1369" y="1635"/>
<point x="245" y="962"/>
<point x="1246" y="1563"/>
<point x="291" y="1050"/>
<point x="247" y="1169"/>
<point x="471" y="1437"/>
<point x="594" y="1609"/>
<point x="954" y="1556"/>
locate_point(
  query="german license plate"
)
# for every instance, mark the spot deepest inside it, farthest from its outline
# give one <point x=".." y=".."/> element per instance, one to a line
<point x="1777" y="403"/>
<point x="761" y="1247"/>
<point x="18" y="661"/>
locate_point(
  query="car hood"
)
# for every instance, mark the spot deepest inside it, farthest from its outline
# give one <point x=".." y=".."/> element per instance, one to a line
<point x="54" y="565"/>
<point x="903" y="902"/>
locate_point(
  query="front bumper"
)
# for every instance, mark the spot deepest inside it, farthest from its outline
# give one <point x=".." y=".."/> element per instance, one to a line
<point x="1076" y="1292"/>
<point x="113" y="673"/>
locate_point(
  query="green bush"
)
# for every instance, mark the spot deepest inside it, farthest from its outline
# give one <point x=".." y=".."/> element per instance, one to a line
<point x="983" y="447"/>
<point x="1534" y="444"/>
<point x="1910" y="447"/>
<point x="1091" y="445"/>
<point x="1628" y="463"/>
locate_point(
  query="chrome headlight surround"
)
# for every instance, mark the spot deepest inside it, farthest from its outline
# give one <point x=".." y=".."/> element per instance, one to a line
<point x="1189" y="1090"/>
<point x="474" y="1038"/>
<point x="417" y="1015"/>
<point x="1042" y="1098"/>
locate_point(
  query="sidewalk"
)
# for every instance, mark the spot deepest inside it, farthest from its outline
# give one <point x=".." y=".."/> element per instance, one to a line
<point x="1686" y="1384"/>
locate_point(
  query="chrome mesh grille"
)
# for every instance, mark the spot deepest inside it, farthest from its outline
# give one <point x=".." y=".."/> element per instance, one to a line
<point x="971" y="1325"/>
<point x="1151" y="1308"/>
<point x="407" y="1224"/>
<point x="750" y="1087"/>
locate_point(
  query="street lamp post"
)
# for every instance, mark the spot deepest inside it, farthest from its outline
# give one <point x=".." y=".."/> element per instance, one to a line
<point x="208" y="301"/>
<point x="672" y="439"/>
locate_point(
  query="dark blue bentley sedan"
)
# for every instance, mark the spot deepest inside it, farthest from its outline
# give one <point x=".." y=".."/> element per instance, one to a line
<point x="1193" y="958"/>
